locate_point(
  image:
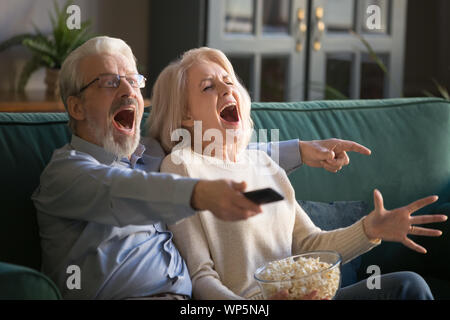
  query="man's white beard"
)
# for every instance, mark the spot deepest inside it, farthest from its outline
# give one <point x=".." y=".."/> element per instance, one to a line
<point x="123" y="148"/>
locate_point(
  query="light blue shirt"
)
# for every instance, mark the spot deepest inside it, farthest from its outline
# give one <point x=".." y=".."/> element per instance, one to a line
<point x="108" y="217"/>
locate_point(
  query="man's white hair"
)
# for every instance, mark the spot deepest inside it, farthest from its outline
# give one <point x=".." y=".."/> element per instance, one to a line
<point x="70" y="77"/>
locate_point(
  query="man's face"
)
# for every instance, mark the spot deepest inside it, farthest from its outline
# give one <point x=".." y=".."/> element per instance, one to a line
<point x="111" y="116"/>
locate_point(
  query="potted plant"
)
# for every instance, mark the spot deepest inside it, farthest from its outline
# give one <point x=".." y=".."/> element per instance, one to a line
<point x="49" y="51"/>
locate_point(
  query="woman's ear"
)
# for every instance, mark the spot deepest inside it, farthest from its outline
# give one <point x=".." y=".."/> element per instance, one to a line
<point x="75" y="108"/>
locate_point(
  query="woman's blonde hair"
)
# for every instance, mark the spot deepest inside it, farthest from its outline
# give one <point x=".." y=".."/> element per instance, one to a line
<point x="169" y="97"/>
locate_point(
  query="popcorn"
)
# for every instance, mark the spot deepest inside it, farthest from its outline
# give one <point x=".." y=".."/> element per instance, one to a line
<point x="300" y="276"/>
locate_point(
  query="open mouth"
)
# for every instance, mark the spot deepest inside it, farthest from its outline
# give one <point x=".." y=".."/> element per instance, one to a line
<point x="123" y="120"/>
<point x="229" y="113"/>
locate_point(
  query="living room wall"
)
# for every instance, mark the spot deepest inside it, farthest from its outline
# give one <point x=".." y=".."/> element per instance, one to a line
<point x="427" y="50"/>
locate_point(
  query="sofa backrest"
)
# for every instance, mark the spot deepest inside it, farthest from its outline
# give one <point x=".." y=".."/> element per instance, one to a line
<point x="410" y="143"/>
<point x="27" y="141"/>
<point x="409" y="139"/>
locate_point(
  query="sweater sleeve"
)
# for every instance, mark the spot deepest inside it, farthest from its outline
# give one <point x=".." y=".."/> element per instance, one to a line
<point x="76" y="186"/>
<point x="285" y="153"/>
<point x="191" y="241"/>
<point x="350" y="241"/>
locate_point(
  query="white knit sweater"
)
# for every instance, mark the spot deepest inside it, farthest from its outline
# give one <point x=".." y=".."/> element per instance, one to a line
<point x="223" y="256"/>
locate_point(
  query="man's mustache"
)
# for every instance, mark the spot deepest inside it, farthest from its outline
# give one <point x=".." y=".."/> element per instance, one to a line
<point x="123" y="102"/>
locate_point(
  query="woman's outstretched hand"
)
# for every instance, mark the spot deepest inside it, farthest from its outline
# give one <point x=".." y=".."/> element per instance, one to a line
<point x="330" y="154"/>
<point x="395" y="225"/>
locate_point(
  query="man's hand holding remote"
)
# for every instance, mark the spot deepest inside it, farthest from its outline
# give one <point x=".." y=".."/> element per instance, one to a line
<point x="224" y="199"/>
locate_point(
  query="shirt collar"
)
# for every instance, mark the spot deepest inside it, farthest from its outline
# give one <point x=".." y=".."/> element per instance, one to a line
<point x="100" y="154"/>
<point x="137" y="155"/>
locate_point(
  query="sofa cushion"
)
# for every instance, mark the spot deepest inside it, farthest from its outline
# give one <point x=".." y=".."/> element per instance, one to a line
<point x="27" y="141"/>
<point x="334" y="215"/>
<point x="20" y="283"/>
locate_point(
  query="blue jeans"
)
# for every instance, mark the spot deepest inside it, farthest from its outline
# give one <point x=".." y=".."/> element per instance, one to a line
<point x="403" y="285"/>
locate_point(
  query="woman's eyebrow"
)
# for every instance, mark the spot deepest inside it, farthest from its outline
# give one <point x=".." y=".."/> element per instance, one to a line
<point x="204" y="80"/>
<point x="210" y="78"/>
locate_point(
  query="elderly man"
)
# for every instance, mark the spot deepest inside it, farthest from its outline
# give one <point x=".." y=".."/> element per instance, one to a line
<point x="102" y="205"/>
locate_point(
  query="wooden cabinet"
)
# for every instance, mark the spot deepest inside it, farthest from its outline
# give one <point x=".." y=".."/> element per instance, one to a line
<point x="30" y="101"/>
<point x="34" y="101"/>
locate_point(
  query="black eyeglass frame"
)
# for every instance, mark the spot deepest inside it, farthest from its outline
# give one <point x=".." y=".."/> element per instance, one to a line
<point x="141" y="84"/>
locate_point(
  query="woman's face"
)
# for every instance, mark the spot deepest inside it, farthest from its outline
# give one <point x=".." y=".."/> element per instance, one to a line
<point x="213" y="98"/>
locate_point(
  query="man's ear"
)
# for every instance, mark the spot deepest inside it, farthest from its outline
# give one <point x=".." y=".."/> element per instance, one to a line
<point x="75" y="108"/>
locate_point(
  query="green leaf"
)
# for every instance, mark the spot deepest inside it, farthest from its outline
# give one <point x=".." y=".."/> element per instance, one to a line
<point x="374" y="56"/>
<point x="41" y="47"/>
<point x="50" y="51"/>
<point x="38" y="31"/>
<point x="15" y="40"/>
<point x="57" y="32"/>
<point x="372" y="53"/>
<point x="428" y="94"/>
<point x="334" y="93"/>
<point x="61" y="33"/>
<point x="48" y="62"/>
<point x="442" y="90"/>
<point x="67" y="40"/>
<point x="52" y="20"/>
<point x="330" y="92"/>
<point x="77" y="41"/>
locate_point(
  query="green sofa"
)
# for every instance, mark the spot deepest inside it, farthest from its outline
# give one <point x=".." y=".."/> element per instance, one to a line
<point x="410" y="143"/>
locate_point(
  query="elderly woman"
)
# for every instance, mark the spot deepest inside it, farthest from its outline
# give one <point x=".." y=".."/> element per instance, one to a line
<point x="199" y="100"/>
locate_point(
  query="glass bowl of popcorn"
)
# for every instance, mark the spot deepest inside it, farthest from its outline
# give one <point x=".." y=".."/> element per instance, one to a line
<point x="313" y="275"/>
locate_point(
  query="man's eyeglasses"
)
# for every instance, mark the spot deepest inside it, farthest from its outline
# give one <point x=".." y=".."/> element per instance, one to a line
<point x="113" y="81"/>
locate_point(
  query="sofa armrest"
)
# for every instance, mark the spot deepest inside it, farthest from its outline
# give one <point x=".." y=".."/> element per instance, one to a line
<point x="23" y="283"/>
